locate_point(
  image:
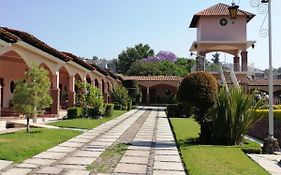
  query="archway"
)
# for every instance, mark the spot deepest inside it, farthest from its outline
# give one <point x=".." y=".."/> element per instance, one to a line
<point x="9" y="76"/>
<point x="88" y="79"/>
<point x="97" y="83"/>
<point x="162" y="93"/>
<point x="63" y="86"/>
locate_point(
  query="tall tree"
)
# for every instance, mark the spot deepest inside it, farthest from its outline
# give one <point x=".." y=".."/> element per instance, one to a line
<point x="32" y="93"/>
<point x="129" y="56"/>
<point x="216" y="58"/>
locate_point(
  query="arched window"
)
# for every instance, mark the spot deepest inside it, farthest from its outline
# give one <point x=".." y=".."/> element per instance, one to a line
<point x="12" y="87"/>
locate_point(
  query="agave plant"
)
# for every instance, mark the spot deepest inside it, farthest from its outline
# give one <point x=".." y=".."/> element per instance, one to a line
<point x="232" y="115"/>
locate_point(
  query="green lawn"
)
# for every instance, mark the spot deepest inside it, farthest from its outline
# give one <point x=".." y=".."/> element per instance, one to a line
<point x="84" y="123"/>
<point x="21" y="145"/>
<point x="209" y="159"/>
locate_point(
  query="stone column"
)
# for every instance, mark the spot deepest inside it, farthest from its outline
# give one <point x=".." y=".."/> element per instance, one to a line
<point x="244" y="56"/>
<point x="55" y="94"/>
<point x="200" y="61"/>
<point x="71" y="91"/>
<point x="147" y="95"/>
<point x="236" y="64"/>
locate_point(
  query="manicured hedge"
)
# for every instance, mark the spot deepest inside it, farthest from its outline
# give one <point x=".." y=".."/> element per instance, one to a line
<point x="178" y="111"/>
<point x="93" y="113"/>
<point x="109" y="110"/>
<point x="75" y="112"/>
<point x="276" y="113"/>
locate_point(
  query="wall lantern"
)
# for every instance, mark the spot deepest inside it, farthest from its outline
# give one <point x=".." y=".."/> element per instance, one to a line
<point x="233" y="11"/>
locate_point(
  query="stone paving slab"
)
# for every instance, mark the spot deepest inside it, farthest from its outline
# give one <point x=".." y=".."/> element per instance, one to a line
<point x="76" y="172"/>
<point x="166" y="152"/>
<point x="130" y="168"/>
<point x="27" y="165"/>
<point x="71" y="144"/>
<point x="50" y="155"/>
<point x="5" y="164"/>
<point x="141" y="153"/>
<point x="72" y="167"/>
<point x="50" y="170"/>
<point x="168" y="172"/>
<point x="135" y="160"/>
<point x="87" y="154"/>
<point x="79" y="160"/>
<point x="167" y="158"/>
<point x="37" y="161"/>
<point x="17" y="171"/>
<point x="268" y="161"/>
<point x="61" y="149"/>
<point x="168" y="166"/>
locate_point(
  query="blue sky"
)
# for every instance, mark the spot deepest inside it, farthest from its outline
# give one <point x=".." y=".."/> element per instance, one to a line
<point x="104" y="28"/>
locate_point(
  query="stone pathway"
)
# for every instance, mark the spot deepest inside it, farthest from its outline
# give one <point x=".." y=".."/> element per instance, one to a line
<point x="152" y="151"/>
<point x="268" y="161"/>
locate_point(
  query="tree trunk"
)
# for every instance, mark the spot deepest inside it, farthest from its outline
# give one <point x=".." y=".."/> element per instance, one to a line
<point x="27" y="125"/>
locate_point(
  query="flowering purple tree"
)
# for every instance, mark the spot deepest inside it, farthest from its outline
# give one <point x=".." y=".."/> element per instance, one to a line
<point x="162" y="56"/>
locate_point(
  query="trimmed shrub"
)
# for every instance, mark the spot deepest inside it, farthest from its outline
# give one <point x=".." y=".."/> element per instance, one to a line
<point x="174" y="111"/>
<point x="117" y="107"/>
<point x="93" y="113"/>
<point x="198" y="89"/>
<point x="264" y="113"/>
<point x="108" y="110"/>
<point x="250" y="147"/>
<point x="75" y="112"/>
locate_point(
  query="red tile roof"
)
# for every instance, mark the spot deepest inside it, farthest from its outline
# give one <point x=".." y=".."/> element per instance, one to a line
<point x="152" y="78"/>
<point x="79" y="61"/>
<point x="13" y="36"/>
<point x="218" y="10"/>
<point x="32" y="40"/>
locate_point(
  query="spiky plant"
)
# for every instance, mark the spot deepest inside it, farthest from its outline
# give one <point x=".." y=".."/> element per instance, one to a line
<point x="232" y="115"/>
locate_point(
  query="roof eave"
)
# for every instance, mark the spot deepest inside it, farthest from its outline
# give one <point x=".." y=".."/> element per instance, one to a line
<point x="194" y="21"/>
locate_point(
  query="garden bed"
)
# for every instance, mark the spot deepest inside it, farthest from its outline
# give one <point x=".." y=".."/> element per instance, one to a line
<point x="85" y="123"/>
<point x="210" y="159"/>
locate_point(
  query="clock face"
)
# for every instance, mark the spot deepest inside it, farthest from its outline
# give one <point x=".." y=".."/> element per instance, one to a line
<point x="223" y="22"/>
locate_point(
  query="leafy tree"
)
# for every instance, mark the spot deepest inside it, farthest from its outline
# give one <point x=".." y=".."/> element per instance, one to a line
<point x="89" y="96"/>
<point x="143" y="68"/>
<point x="32" y="93"/>
<point x="216" y="58"/>
<point x="129" y="56"/>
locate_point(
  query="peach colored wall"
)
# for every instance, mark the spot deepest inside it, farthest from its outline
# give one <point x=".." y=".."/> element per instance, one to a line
<point x="209" y="29"/>
<point x="11" y="70"/>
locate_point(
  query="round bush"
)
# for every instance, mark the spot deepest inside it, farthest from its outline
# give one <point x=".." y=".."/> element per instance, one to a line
<point x="198" y="89"/>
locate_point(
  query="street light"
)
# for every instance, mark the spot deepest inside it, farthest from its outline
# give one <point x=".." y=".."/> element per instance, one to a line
<point x="270" y="143"/>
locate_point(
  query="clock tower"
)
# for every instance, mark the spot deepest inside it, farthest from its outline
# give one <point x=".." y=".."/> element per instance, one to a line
<point x="217" y="32"/>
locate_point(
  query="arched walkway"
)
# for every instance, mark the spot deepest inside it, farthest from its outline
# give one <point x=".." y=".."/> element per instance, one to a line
<point x="12" y="68"/>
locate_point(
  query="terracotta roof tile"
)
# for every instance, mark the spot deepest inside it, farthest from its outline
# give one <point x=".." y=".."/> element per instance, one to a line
<point x="152" y="78"/>
<point x="79" y="61"/>
<point x="7" y="36"/>
<point x="32" y="40"/>
<point x="218" y="10"/>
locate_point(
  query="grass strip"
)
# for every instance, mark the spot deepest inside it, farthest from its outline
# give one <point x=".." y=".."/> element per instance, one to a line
<point x="21" y="145"/>
<point x="109" y="159"/>
<point x="211" y="159"/>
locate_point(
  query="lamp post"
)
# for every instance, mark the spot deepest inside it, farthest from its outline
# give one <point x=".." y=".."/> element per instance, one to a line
<point x="201" y="56"/>
<point x="270" y="143"/>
